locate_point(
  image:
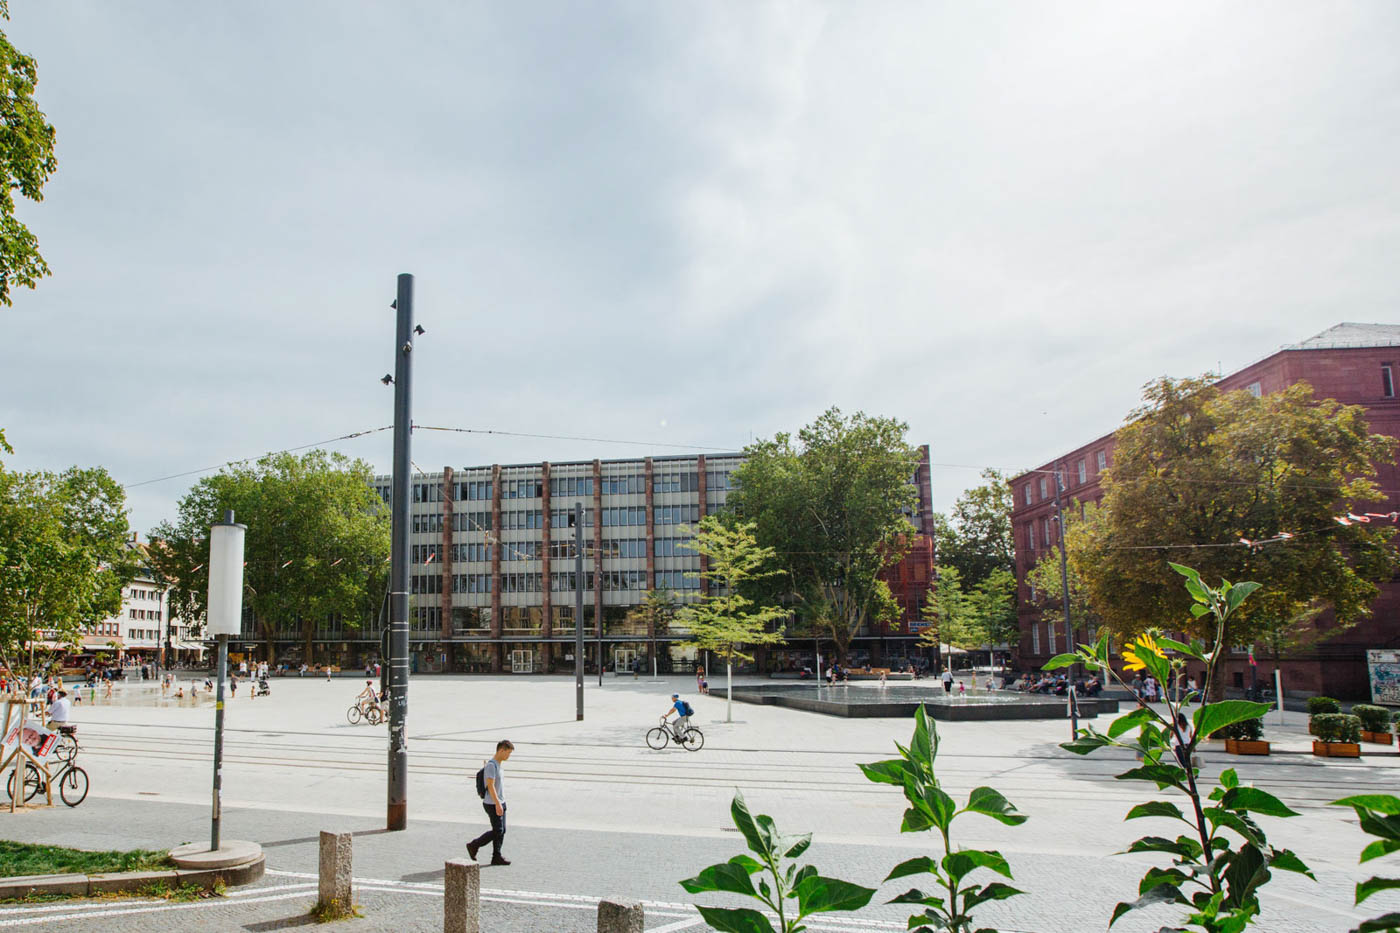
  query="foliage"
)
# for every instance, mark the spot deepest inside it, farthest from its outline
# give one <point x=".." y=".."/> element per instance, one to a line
<point x="1379" y="815"/>
<point x="1196" y="465"/>
<point x="812" y="892"/>
<point x="26" y="162"/>
<point x="982" y="616"/>
<point x="1047" y="587"/>
<point x="725" y="621"/>
<point x="975" y="536"/>
<point x="25" y="858"/>
<point x="1318" y="705"/>
<point x="65" y="555"/>
<point x="656" y="611"/>
<point x="1246" y="730"/>
<point x="1373" y="718"/>
<point x="830" y="505"/>
<point x="1223" y="879"/>
<point x="1336" y="727"/>
<point x="317" y="542"/>
<point x="931" y="807"/>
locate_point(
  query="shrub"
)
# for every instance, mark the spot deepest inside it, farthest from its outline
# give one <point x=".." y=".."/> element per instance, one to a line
<point x="1373" y="718"/>
<point x="1318" y="705"/>
<point x="1246" y="730"/>
<point x="1337" y="727"/>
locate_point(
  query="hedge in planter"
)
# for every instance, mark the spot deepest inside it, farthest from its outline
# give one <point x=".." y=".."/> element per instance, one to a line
<point x="1339" y="735"/>
<point x="1375" y="723"/>
<point x="1321" y="706"/>
<point x="1244" y="737"/>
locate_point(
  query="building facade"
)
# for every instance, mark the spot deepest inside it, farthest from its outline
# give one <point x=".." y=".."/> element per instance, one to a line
<point x="1355" y="364"/>
<point x="144" y="625"/>
<point x="493" y="582"/>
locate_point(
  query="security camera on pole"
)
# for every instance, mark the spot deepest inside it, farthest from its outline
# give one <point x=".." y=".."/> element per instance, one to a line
<point x="224" y="618"/>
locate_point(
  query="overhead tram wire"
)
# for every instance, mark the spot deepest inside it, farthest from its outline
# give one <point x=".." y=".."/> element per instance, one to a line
<point x="285" y="450"/>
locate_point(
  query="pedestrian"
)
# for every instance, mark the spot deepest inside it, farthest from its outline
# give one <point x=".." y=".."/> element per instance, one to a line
<point x="302" y="672"/>
<point x="233" y="686"/>
<point x="328" y="673"/>
<point x="494" y="803"/>
<point x="962" y="688"/>
<point x="947" y="680"/>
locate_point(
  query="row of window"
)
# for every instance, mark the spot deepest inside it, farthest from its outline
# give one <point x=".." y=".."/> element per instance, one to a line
<point x="677" y="580"/>
<point x="153" y="614"/>
<point x="471" y="521"/>
<point x="427" y="524"/>
<point x="613" y="549"/>
<point x="566" y="581"/>
<point x="1080" y="473"/>
<point x="527" y="518"/>
<point x="107" y="628"/>
<point x="636" y="515"/>
<point x="633" y="484"/>
<point x="143" y="634"/>
<point x="143" y="594"/>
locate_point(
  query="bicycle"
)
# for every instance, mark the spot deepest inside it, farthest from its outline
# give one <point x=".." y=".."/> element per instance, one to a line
<point x="692" y="740"/>
<point x="72" y="782"/>
<point x="67" y="746"/>
<point x="372" y="713"/>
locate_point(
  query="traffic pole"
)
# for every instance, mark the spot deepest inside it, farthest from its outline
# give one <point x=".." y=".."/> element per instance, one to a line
<point x="397" y="809"/>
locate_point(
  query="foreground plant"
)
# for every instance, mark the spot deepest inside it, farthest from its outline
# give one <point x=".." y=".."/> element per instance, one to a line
<point x="811" y="892"/>
<point x="931" y="807"/>
<point x="1219" y="879"/>
<point x="1380" y="816"/>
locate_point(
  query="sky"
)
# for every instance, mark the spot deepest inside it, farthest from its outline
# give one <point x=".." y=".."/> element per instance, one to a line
<point x="680" y="224"/>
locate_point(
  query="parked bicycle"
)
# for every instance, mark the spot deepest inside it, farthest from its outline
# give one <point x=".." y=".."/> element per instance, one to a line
<point x="72" y="782"/>
<point x="67" y="745"/>
<point x="372" y="713"/>
<point x="692" y="739"/>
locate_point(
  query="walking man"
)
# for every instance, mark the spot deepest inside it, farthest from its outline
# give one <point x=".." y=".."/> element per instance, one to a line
<point x="947" y="680"/>
<point x="494" y="803"/>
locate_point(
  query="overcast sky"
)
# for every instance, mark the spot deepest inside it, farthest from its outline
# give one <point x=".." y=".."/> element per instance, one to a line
<point x="681" y="223"/>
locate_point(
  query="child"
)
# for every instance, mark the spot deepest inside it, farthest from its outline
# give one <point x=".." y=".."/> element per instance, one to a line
<point x="962" y="688"/>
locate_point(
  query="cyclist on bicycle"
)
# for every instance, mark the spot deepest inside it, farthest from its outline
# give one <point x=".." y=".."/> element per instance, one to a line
<point x="683" y="712"/>
<point x="367" y="697"/>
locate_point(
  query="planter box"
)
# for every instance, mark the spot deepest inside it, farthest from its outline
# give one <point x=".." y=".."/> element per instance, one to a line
<point x="1377" y="738"/>
<point x="1246" y="747"/>
<point x="1336" y="749"/>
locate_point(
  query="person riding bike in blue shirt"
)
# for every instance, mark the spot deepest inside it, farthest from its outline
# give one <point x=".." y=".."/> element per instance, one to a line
<point x="682" y="710"/>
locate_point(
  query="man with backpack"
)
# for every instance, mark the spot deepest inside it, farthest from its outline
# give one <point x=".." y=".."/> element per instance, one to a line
<point x="683" y="712"/>
<point x="489" y="786"/>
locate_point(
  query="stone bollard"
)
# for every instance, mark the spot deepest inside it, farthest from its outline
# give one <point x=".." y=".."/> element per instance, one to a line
<point x="618" y="915"/>
<point x="335" y="896"/>
<point x="461" y="902"/>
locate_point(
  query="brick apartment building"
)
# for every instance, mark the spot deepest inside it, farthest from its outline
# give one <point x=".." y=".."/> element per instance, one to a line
<point x="492" y="568"/>
<point x="1353" y="363"/>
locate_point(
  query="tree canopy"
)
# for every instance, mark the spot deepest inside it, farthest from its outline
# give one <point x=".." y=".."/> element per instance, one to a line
<point x="26" y="162"/>
<point x="831" y="503"/>
<point x="975" y="536"/>
<point x="979" y="616"/>
<point x="64" y="555"/>
<point x="1196" y="470"/>
<point x="317" y="541"/>
<point x="726" y="621"/>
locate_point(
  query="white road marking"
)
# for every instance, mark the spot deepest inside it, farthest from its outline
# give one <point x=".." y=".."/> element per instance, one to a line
<point x="87" y="915"/>
<point x="680" y="925"/>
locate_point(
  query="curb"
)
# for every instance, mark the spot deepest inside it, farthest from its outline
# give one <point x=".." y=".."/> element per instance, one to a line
<point x="129" y="882"/>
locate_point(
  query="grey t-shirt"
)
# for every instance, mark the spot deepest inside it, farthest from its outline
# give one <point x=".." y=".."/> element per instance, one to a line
<point x="493" y="773"/>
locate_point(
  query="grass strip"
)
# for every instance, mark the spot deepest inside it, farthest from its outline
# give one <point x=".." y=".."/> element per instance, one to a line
<point x="24" y="858"/>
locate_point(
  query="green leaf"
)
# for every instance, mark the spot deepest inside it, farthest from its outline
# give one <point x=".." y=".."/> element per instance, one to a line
<point x="1229" y="778"/>
<point x="1215" y="716"/>
<point x="1182" y="846"/>
<point x="744" y="822"/>
<point x="990" y="802"/>
<point x="996" y="891"/>
<point x="1245" y="870"/>
<point x="1286" y="860"/>
<point x="959" y="864"/>
<point x="1130" y="721"/>
<point x="1161" y="775"/>
<point x="747" y="864"/>
<point x="735" y="919"/>
<point x="916" y="821"/>
<point x="1164" y="893"/>
<point x="1388" y="923"/>
<point x="1238" y="594"/>
<point x="725" y="876"/>
<point x="921" y="745"/>
<point x="1155" y="808"/>
<point x="816" y="894"/>
<point x="915" y="866"/>
<point x="1067" y="659"/>
<point x="1181" y="647"/>
<point x="1199" y="610"/>
<point x="1378" y="848"/>
<point x="942" y="806"/>
<point x="1365" y="889"/>
<point x="1259" y="801"/>
<point x="885" y="772"/>
<point x="1159" y="876"/>
<point x="796" y="845"/>
<point x="1240" y="823"/>
<point x="915" y="896"/>
<point x="1086" y="743"/>
<point x="1381" y="803"/>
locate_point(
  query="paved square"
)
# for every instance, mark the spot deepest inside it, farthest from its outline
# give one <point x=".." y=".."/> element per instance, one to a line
<point x="595" y="813"/>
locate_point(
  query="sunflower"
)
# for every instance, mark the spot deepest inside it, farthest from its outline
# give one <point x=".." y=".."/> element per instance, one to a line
<point x="1134" y="654"/>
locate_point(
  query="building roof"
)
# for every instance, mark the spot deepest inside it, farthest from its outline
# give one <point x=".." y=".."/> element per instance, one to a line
<point x="1351" y="335"/>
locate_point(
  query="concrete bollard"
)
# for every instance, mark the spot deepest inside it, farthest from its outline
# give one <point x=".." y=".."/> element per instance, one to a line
<point x="618" y="915"/>
<point x="461" y="902"/>
<point x="335" y="895"/>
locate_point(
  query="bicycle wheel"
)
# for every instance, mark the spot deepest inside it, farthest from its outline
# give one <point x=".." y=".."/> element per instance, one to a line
<point x="66" y="748"/>
<point x="33" y="782"/>
<point x="73" y="785"/>
<point x="658" y="737"/>
<point x="374" y="715"/>
<point x="693" y="740"/>
<point x="353" y="714"/>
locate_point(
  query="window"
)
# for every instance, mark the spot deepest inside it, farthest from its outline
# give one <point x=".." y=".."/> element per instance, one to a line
<point x="1387" y="381"/>
<point x="1254" y="389"/>
<point x="1042" y="487"/>
<point x="1082" y="471"/>
<point x="1028" y="494"/>
<point x="1030" y="535"/>
<point x="1050" y="635"/>
<point x="1035" y="638"/>
<point x="1102" y="460"/>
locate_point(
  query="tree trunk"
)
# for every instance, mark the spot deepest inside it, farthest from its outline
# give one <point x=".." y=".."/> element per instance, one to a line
<point x="729" y="693"/>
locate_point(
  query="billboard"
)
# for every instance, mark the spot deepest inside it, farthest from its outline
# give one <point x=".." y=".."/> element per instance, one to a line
<point x="1385" y="676"/>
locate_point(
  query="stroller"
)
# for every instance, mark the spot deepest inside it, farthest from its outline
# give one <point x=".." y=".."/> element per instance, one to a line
<point x="262" y="688"/>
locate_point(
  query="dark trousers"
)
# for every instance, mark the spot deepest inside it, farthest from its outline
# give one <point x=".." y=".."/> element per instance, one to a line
<point x="496" y="835"/>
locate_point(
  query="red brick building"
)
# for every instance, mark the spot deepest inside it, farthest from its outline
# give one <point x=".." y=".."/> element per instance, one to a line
<point x="1356" y="364"/>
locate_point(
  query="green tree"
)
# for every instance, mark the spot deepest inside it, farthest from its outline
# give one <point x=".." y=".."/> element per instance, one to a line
<point x="831" y="506"/>
<point x="1197" y="466"/>
<point x="317" y="541"/>
<point x="657" y="610"/>
<point x="725" y="621"/>
<point x="1047" y="588"/>
<point x="65" y="555"/>
<point x="945" y="608"/>
<point x="980" y="617"/>
<point x="26" y="160"/>
<point x="975" y="536"/>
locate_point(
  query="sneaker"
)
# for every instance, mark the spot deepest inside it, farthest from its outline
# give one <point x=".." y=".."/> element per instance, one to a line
<point x="500" y="861"/>
<point x="471" y="850"/>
